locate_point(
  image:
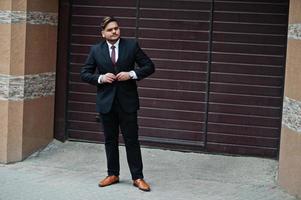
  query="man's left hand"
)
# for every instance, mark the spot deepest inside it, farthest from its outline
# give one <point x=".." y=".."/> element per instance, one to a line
<point x="123" y="76"/>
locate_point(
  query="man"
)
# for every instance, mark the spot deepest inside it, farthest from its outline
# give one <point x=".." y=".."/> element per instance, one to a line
<point x="111" y="67"/>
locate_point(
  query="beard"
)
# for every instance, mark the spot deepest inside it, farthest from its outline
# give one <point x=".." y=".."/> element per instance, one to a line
<point x="113" y="40"/>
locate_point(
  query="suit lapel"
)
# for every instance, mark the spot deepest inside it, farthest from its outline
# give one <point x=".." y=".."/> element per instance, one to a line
<point x="105" y="52"/>
<point x="122" y="55"/>
<point x="105" y="57"/>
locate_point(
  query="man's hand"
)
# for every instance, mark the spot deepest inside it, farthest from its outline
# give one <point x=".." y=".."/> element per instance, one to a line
<point x="123" y="76"/>
<point x="108" y="78"/>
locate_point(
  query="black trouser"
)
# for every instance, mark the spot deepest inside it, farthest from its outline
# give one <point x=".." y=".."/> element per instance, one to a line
<point x="129" y="128"/>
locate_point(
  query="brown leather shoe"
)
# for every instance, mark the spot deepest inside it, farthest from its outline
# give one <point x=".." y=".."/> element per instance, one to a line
<point x="141" y="184"/>
<point x="109" y="180"/>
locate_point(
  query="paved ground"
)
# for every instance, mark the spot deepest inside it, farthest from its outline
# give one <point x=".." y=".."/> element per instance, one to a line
<point x="71" y="171"/>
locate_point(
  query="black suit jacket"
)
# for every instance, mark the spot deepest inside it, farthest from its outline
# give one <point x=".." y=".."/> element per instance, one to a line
<point x="99" y="62"/>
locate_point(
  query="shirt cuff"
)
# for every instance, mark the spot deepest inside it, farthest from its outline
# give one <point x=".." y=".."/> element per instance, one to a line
<point x="100" y="79"/>
<point x="133" y="75"/>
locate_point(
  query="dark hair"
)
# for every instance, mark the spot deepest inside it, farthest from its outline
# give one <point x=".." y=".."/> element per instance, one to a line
<point x="106" y="21"/>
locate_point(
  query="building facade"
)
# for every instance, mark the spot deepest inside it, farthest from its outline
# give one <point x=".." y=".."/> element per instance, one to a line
<point x="27" y="76"/>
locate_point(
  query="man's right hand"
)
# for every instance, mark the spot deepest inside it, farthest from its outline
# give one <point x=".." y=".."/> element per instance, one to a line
<point x="108" y="78"/>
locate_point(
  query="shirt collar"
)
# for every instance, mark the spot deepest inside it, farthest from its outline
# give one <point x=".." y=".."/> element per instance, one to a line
<point x="116" y="44"/>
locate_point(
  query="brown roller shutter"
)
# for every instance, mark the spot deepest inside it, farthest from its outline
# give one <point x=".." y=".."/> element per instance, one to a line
<point x="175" y="34"/>
<point x="248" y="58"/>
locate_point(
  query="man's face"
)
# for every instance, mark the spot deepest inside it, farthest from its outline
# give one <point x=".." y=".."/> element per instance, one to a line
<point x="111" y="33"/>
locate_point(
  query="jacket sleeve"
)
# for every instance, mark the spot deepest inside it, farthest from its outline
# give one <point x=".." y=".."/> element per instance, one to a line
<point x="145" y="66"/>
<point x="87" y="73"/>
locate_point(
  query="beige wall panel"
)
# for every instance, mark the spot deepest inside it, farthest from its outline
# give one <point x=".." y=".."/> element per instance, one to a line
<point x="43" y="6"/>
<point x="290" y="161"/>
<point x="15" y="128"/>
<point x="38" y="124"/>
<point x="3" y="130"/>
<point x="17" y="54"/>
<point x="5" y="40"/>
<point x="295" y="14"/>
<point x="40" y="49"/>
<point x="5" y="4"/>
<point x="19" y="5"/>
<point x="293" y="70"/>
<point x="52" y="44"/>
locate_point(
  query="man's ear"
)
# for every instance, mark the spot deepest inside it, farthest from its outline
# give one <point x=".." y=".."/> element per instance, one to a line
<point x="103" y="35"/>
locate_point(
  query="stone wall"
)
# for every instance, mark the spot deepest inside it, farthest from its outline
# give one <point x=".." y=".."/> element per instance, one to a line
<point x="27" y="76"/>
<point x="290" y="147"/>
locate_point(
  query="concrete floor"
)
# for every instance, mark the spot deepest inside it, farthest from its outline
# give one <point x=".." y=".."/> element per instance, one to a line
<point x="71" y="170"/>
